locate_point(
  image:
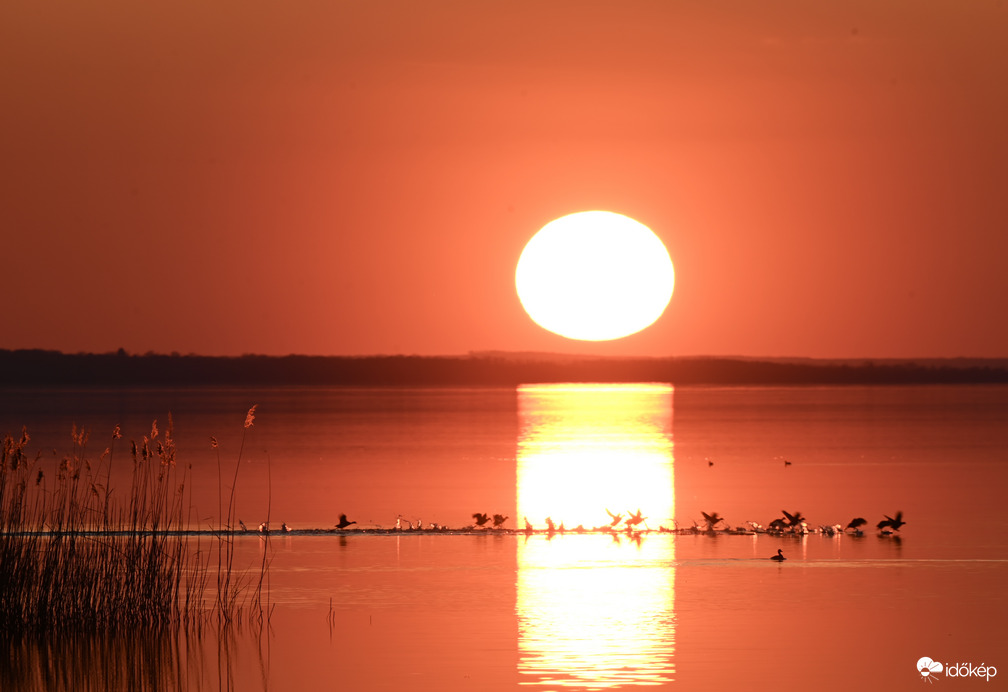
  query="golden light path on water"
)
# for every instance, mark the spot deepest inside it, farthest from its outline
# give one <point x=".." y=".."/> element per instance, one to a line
<point x="595" y="610"/>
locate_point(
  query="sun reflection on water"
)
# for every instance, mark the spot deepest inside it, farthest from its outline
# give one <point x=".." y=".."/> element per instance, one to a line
<point x="595" y="610"/>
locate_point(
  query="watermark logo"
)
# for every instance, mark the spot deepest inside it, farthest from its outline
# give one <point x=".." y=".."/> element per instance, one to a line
<point x="931" y="670"/>
<point x="928" y="669"/>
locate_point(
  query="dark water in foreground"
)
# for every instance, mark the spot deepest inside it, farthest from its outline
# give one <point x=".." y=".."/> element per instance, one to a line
<point x="686" y="612"/>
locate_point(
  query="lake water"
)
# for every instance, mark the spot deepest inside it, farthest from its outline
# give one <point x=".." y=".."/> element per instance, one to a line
<point x="594" y="611"/>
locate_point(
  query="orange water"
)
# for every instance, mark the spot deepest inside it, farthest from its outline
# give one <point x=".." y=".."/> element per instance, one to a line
<point x="502" y="612"/>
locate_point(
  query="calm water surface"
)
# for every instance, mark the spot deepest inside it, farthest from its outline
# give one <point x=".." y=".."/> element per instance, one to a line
<point x="499" y="612"/>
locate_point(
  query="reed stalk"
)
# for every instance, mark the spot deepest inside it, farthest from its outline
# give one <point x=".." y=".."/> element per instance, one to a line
<point x="73" y="560"/>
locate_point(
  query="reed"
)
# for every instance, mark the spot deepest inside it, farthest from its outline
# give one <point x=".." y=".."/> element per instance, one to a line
<point x="76" y="559"/>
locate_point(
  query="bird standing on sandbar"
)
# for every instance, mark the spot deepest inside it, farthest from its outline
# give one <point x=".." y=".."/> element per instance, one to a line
<point x="343" y="523"/>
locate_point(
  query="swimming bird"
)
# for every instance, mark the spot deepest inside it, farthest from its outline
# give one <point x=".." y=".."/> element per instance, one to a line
<point x="616" y="518"/>
<point x="481" y="519"/>
<point x="856" y="523"/>
<point x="892" y="523"/>
<point x="710" y="462"/>
<point x="712" y="519"/>
<point x="498" y="520"/>
<point x="786" y="463"/>
<point x="634" y="519"/>
<point x="343" y="523"/>
<point x="779" y="557"/>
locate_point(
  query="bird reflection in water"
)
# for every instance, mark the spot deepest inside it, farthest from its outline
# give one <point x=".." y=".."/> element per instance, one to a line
<point x="595" y="609"/>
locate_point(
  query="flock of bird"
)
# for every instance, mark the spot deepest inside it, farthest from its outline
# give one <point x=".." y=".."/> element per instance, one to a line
<point x="630" y="524"/>
<point x="795" y="524"/>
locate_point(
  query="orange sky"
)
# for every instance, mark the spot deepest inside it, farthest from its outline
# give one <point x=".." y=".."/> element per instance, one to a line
<point x="337" y="177"/>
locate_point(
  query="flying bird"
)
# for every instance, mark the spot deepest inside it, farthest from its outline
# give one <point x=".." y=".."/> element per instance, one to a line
<point x="856" y="523"/>
<point x="779" y="557"/>
<point x="634" y="519"/>
<point x="793" y="519"/>
<point x="343" y="523"/>
<point x="481" y="519"/>
<point x="712" y="519"/>
<point x="890" y="522"/>
<point x="498" y="520"/>
<point x="616" y="518"/>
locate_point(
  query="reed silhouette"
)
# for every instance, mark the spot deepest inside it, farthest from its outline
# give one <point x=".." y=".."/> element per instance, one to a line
<point x="75" y="558"/>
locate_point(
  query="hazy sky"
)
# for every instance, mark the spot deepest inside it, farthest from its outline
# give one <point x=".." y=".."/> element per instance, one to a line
<point x="358" y="177"/>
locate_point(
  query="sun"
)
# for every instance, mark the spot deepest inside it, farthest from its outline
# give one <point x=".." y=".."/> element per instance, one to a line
<point x="594" y="276"/>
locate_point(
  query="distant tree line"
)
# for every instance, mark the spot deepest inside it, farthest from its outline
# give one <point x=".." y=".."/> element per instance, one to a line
<point x="53" y="368"/>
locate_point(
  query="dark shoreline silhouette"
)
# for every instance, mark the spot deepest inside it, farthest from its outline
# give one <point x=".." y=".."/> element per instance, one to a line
<point x="52" y="368"/>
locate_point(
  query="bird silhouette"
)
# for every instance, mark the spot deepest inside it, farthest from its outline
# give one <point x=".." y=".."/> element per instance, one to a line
<point x="242" y="525"/>
<point x="528" y="525"/>
<point x="284" y="527"/>
<point x="710" y="462"/>
<point x="793" y="519"/>
<point x="892" y="523"/>
<point x="856" y="523"/>
<point x="634" y="519"/>
<point x="779" y="557"/>
<point x="712" y="519"/>
<point x="343" y="523"/>
<point x="498" y="520"/>
<point x="264" y="527"/>
<point x="786" y="463"/>
<point x="481" y="519"/>
<point x="550" y="526"/>
<point x="616" y="518"/>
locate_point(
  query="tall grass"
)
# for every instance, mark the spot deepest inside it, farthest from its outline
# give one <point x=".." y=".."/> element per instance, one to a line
<point x="73" y="558"/>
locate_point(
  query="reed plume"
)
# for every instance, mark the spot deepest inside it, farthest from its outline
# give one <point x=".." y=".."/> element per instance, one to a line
<point x="72" y="559"/>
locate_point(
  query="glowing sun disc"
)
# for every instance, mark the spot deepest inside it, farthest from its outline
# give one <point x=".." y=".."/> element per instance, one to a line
<point x="594" y="276"/>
